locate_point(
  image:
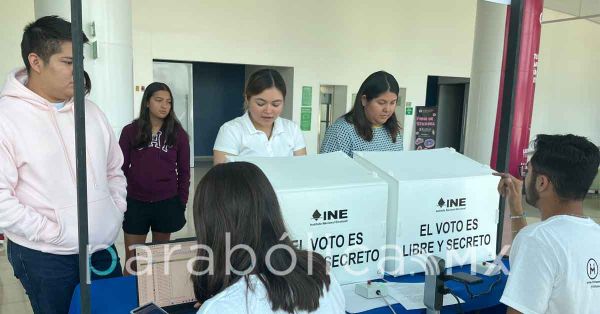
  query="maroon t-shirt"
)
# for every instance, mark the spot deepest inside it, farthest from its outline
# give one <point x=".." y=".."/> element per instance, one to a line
<point x="156" y="172"/>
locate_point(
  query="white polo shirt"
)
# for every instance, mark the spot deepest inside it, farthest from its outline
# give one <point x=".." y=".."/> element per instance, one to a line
<point x="239" y="137"/>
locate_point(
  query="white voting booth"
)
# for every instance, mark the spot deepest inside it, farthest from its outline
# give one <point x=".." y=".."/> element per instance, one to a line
<point x="440" y="203"/>
<point x="333" y="206"/>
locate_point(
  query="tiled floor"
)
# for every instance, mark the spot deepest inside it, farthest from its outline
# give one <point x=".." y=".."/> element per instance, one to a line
<point x="13" y="299"/>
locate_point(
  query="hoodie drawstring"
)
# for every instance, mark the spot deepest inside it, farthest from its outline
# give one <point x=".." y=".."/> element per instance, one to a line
<point x="64" y="147"/>
<point x="88" y="158"/>
<point x="87" y="154"/>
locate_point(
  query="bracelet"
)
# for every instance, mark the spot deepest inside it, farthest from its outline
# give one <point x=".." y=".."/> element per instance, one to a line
<point x="517" y="216"/>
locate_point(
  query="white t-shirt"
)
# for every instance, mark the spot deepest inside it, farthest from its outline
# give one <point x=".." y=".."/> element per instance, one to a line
<point x="554" y="267"/>
<point x="238" y="299"/>
<point x="239" y="137"/>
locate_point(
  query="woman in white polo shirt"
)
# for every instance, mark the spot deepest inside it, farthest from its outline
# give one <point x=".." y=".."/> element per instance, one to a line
<point x="260" y="132"/>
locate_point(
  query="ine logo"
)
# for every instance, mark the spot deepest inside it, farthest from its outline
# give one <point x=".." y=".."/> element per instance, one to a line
<point x="316" y="215"/>
<point x="330" y="216"/>
<point x="452" y="204"/>
<point x="592" y="269"/>
<point x="441" y="202"/>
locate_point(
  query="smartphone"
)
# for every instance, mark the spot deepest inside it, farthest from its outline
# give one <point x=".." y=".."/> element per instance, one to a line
<point x="464" y="277"/>
<point x="149" y="308"/>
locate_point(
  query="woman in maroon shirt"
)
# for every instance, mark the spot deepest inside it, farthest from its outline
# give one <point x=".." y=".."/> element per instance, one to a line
<point x="156" y="153"/>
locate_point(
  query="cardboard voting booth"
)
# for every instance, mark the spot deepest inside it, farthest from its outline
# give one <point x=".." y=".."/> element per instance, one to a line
<point x="333" y="206"/>
<point x="440" y="203"/>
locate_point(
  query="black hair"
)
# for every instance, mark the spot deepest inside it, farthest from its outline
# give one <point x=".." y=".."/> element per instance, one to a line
<point x="261" y="80"/>
<point x="569" y="161"/>
<point x="170" y="125"/>
<point x="44" y="37"/>
<point x="237" y="199"/>
<point x="87" y="84"/>
<point x="374" y="86"/>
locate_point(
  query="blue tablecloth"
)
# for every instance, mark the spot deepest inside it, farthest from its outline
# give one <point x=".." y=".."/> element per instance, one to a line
<point x="488" y="303"/>
<point x="119" y="295"/>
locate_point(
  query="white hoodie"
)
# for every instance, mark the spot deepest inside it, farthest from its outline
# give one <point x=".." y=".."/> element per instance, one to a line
<point x="38" y="198"/>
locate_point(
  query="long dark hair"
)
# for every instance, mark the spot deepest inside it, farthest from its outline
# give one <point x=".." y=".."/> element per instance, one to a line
<point x="170" y="125"/>
<point x="261" y="80"/>
<point x="375" y="85"/>
<point x="237" y="199"/>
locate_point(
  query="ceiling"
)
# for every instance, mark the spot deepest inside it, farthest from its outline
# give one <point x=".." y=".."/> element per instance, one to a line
<point x="575" y="7"/>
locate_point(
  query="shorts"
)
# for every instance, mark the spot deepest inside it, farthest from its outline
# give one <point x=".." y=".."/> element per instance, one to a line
<point x="165" y="216"/>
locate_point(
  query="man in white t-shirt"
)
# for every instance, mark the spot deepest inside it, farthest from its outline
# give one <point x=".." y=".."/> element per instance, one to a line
<point x="554" y="263"/>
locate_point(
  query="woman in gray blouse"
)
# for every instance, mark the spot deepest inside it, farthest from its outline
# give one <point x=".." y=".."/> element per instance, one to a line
<point x="371" y="125"/>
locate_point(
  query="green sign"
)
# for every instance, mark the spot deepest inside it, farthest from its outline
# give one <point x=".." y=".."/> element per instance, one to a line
<point x="306" y="96"/>
<point x="409" y="111"/>
<point x="305" y="115"/>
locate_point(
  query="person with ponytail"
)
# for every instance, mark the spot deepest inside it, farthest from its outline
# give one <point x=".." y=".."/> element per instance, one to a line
<point x="249" y="264"/>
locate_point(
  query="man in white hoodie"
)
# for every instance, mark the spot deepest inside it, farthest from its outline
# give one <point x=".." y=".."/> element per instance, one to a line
<point x="38" y="209"/>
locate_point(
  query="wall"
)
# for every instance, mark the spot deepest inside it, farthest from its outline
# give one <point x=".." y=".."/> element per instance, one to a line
<point x="333" y="42"/>
<point x="567" y="96"/>
<point x="11" y="31"/>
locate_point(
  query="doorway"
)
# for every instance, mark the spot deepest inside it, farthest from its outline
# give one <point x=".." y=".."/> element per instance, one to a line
<point x="179" y="77"/>
<point x="451" y="96"/>
<point x="333" y="101"/>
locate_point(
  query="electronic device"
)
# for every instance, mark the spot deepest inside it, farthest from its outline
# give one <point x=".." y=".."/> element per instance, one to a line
<point x="464" y="278"/>
<point x="434" y="283"/>
<point x="371" y="290"/>
<point x="148" y="308"/>
<point x="488" y="268"/>
<point x="435" y="276"/>
<point x="163" y="277"/>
